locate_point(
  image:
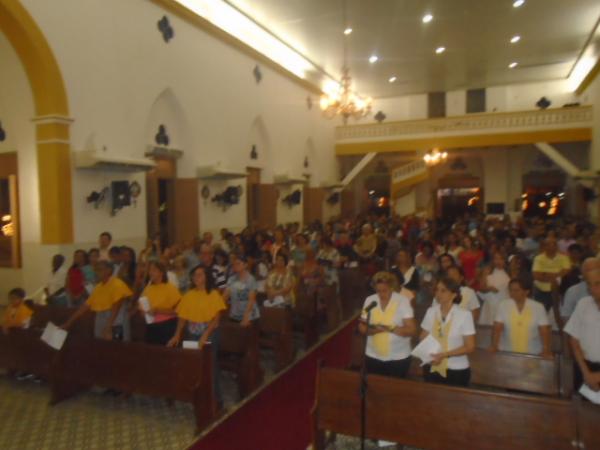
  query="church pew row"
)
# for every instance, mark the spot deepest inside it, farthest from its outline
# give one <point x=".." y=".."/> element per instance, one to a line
<point x="440" y="417"/>
<point x="24" y="351"/>
<point x="136" y="368"/>
<point x="239" y="353"/>
<point x="502" y="370"/>
<point x="558" y="344"/>
<point x="276" y="334"/>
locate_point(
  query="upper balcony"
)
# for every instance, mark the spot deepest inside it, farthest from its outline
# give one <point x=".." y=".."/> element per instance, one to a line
<point x="567" y="124"/>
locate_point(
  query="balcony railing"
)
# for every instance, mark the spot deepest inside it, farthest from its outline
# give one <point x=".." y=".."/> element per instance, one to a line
<point x="570" y="117"/>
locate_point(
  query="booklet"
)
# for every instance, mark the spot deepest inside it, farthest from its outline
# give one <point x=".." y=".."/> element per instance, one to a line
<point x="190" y="345"/>
<point x="426" y="348"/>
<point x="54" y="336"/>
<point x="592" y="396"/>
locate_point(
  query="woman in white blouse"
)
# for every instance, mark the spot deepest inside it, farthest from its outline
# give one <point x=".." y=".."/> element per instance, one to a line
<point x="454" y="329"/>
<point x="494" y="288"/>
<point x="521" y="324"/>
<point x="469" y="300"/>
<point x="390" y="329"/>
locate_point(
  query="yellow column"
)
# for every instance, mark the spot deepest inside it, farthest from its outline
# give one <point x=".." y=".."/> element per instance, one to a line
<point x="54" y="174"/>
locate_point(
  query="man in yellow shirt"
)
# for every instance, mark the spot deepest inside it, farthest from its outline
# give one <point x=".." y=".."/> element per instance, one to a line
<point x="105" y="301"/>
<point x="17" y="314"/>
<point x="548" y="267"/>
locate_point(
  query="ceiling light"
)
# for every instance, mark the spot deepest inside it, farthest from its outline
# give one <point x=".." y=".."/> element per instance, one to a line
<point x="515" y="39"/>
<point x="512" y="65"/>
<point x="518" y="3"/>
<point x="440" y="50"/>
<point x="347" y="31"/>
<point x="427" y="18"/>
<point x="392" y="79"/>
<point x="373" y="59"/>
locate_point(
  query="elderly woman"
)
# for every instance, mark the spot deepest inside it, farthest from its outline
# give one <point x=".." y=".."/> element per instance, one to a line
<point x="521" y="324"/>
<point x="454" y="329"/>
<point x="366" y="244"/>
<point x="158" y="301"/>
<point x="280" y="283"/>
<point x="390" y="329"/>
<point x="493" y="288"/>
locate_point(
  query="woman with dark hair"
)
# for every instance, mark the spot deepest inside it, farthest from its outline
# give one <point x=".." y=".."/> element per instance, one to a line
<point x="445" y="261"/>
<point x="158" y="302"/>
<point x="404" y="267"/>
<point x="241" y="292"/>
<point x="521" y="325"/>
<point x="454" y="329"/>
<point x="470" y="258"/>
<point x="280" y="283"/>
<point x="469" y="300"/>
<point x="127" y="269"/>
<point x="75" y="285"/>
<point x="390" y="329"/>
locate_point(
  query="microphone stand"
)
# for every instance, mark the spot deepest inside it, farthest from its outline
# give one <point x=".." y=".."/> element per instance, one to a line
<point x="363" y="387"/>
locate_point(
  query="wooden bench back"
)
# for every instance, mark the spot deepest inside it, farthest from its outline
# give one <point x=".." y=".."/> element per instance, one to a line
<point x="275" y="320"/>
<point x="24" y="351"/>
<point x="436" y="417"/>
<point x="484" y="338"/>
<point x="58" y="315"/>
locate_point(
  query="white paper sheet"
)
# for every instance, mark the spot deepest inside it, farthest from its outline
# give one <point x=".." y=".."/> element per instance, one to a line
<point x="426" y="348"/>
<point x="277" y="301"/>
<point x="592" y="396"/>
<point x="54" y="336"/>
<point x="145" y="304"/>
<point x="190" y="344"/>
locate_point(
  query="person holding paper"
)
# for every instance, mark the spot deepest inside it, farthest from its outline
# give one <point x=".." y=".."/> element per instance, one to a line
<point x="160" y="299"/>
<point x="391" y="326"/>
<point x="17" y="314"/>
<point x="454" y="329"/>
<point x="584" y="330"/>
<point x="521" y="324"/>
<point x="106" y="302"/>
<point x="241" y="292"/>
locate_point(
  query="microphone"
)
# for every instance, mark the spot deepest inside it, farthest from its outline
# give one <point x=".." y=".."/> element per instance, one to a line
<point x="372" y="305"/>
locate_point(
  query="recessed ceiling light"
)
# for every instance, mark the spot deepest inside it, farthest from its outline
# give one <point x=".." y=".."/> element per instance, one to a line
<point x="373" y="59"/>
<point x="518" y="3"/>
<point x="440" y="50"/>
<point x="427" y="18"/>
<point x="515" y="39"/>
<point x="347" y="31"/>
<point x="512" y="65"/>
<point x="392" y="79"/>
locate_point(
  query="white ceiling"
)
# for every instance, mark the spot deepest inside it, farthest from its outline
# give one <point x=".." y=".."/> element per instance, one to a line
<point x="476" y="34"/>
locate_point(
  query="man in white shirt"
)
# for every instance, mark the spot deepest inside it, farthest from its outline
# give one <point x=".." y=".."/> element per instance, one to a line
<point x="584" y="330"/>
<point x="104" y="242"/>
<point x="578" y="291"/>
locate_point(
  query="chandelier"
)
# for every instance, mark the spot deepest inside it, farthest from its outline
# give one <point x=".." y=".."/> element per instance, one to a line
<point x="434" y="157"/>
<point x="339" y="99"/>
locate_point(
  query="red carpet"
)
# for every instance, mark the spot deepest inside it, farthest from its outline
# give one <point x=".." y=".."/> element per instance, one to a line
<point x="278" y="418"/>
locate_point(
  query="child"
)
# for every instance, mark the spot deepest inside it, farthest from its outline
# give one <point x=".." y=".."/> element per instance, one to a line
<point x="18" y="314"/>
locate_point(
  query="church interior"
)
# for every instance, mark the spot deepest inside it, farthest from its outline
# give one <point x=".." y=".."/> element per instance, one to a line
<point x="293" y="225"/>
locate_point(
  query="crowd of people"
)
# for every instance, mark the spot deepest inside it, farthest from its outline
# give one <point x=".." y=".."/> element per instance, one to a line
<point x="521" y="277"/>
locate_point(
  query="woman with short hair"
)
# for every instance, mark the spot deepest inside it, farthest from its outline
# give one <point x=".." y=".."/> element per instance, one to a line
<point x="454" y="329"/>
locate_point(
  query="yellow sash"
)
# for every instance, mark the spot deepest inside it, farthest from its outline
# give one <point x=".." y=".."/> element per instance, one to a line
<point x="441" y="334"/>
<point x="382" y="341"/>
<point x="519" y="329"/>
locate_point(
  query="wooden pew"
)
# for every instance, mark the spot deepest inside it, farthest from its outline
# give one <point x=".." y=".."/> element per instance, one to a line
<point x="328" y="296"/>
<point x="502" y="370"/>
<point x="440" y="417"/>
<point x="306" y="317"/>
<point x="239" y="353"/>
<point x="276" y="333"/>
<point x="352" y="290"/>
<point x="137" y="368"/>
<point x="24" y="351"/>
<point x="483" y="339"/>
<point x="588" y="418"/>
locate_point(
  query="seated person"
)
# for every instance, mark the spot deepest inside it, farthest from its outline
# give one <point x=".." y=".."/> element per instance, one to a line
<point x="521" y="324"/>
<point x="391" y="326"/>
<point x="453" y="327"/>
<point x="106" y="301"/>
<point x="17" y="313"/>
<point x="162" y="297"/>
<point x="584" y="330"/>
<point x="280" y="283"/>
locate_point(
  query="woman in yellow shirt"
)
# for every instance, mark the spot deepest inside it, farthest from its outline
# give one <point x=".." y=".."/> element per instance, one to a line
<point x="158" y="301"/>
<point x="17" y="314"/>
<point x="198" y="318"/>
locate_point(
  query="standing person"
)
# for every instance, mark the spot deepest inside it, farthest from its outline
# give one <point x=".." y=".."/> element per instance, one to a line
<point x="104" y="242"/>
<point x="547" y="268"/>
<point x="390" y="329"/>
<point x="105" y="301"/>
<point x="55" y="287"/>
<point x="162" y="297"/>
<point x="454" y="329"/>
<point x="329" y="258"/>
<point x="404" y="267"/>
<point x="75" y="285"/>
<point x="469" y="259"/>
<point x="493" y="288"/>
<point x="280" y="283"/>
<point x="584" y="330"/>
<point x="241" y="293"/>
<point x="579" y="291"/>
<point x="521" y="324"/>
<point x="469" y="300"/>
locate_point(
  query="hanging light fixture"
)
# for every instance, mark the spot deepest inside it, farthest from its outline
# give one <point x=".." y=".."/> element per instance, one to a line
<point x="339" y="99"/>
<point x="434" y="157"/>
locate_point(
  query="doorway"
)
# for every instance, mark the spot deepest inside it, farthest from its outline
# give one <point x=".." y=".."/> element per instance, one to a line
<point x="159" y="182"/>
<point x="253" y="180"/>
